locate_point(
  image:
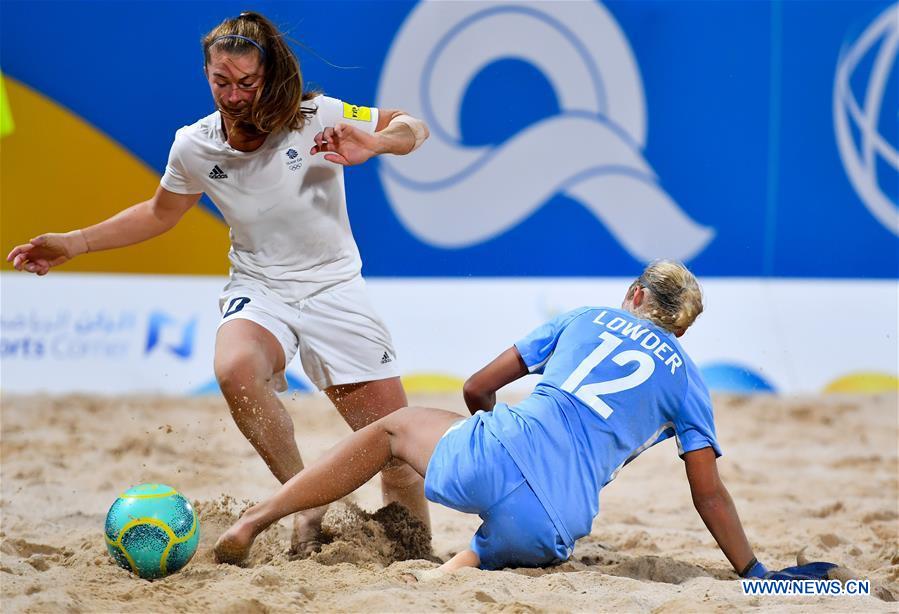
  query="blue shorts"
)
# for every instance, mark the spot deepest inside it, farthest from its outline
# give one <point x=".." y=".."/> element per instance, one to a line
<point x="471" y="471"/>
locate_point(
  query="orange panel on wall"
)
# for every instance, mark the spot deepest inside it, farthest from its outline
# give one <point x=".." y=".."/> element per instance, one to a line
<point x="58" y="172"/>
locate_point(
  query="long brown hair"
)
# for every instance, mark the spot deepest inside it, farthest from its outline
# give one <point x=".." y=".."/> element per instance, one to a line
<point x="279" y="102"/>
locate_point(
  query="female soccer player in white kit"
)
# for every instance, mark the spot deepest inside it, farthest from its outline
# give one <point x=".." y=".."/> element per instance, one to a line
<point x="295" y="283"/>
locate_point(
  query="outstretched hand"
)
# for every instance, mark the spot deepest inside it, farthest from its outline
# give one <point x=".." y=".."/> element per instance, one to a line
<point x="42" y="253"/>
<point x="818" y="570"/>
<point x="345" y="145"/>
<point x="805" y="570"/>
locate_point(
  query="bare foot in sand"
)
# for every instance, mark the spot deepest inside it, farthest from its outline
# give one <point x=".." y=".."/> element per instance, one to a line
<point x="426" y="575"/>
<point x="306" y="537"/>
<point x="233" y="546"/>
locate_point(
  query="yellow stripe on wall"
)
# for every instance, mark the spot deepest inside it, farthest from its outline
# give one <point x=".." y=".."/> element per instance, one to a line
<point x="865" y="382"/>
<point x="58" y="172"/>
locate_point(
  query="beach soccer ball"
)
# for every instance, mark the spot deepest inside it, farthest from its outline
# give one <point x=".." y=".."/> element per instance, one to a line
<point x="152" y="530"/>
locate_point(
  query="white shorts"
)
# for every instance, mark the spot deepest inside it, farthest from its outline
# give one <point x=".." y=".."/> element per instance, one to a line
<point x="340" y="338"/>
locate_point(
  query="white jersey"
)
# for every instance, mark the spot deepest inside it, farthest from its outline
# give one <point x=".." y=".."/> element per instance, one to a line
<point x="286" y="209"/>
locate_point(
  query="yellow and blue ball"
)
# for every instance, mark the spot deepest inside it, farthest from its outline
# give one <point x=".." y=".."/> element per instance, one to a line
<point x="152" y="530"/>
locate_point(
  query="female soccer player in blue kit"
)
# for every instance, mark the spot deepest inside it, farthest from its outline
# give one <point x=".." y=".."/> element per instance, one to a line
<point x="615" y="382"/>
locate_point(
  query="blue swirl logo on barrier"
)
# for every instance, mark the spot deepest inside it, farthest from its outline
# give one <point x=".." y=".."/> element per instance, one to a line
<point x="453" y="195"/>
<point x="735" y="379"/>
<point x="870" y="60"/>
<point x="162" y="326"/>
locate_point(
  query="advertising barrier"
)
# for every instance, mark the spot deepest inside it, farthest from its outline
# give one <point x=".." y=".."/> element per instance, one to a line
<point x="153" y="334"/>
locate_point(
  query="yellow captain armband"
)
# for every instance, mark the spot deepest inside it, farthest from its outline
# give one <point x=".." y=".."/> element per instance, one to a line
<point x="351" y="111"/>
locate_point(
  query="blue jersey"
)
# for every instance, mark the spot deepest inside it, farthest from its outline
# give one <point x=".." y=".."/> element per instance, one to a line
<point x="613" y="386"/>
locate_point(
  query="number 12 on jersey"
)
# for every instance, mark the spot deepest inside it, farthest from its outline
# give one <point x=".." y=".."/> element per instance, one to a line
<point x="590" y="394"/>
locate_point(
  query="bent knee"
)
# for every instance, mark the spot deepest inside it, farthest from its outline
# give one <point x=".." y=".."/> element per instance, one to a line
<point x="399" y="420"/>
<point x="241" y="369"/>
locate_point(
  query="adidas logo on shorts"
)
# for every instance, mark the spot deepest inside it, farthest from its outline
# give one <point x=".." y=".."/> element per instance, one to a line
<point x="217" y="173"/>
<point x="386" y="358"/>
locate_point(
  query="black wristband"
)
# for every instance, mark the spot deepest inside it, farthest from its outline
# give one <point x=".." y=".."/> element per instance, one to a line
<point x="748" y="567"/>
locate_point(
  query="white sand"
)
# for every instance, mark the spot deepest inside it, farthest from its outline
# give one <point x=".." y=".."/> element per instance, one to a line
<point x="817" y="472"/>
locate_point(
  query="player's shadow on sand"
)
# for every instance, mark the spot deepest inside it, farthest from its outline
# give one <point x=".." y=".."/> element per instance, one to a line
<point x="650" y="568"/>
<point x="662" y="569"/>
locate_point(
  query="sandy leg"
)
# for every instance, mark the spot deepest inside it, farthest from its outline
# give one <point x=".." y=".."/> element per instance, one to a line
<point x="409" y="434"/>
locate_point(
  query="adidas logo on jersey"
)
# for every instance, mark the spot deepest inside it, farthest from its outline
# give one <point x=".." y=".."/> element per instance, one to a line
<point x="386" y="358"/>
<point x="217" y="173"/>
